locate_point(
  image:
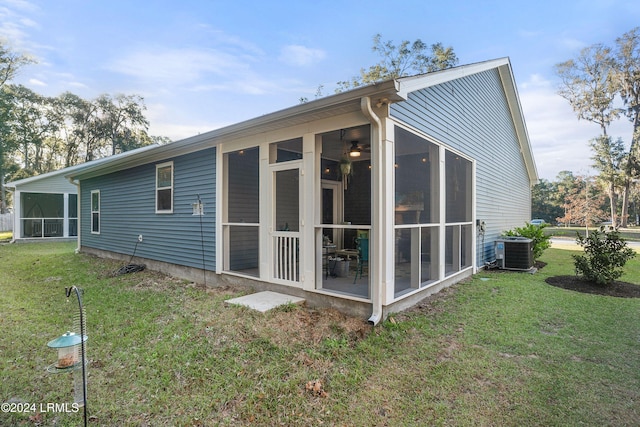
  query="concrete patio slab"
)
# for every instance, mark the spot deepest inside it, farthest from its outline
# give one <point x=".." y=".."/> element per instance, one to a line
<point x="264" y="301"/>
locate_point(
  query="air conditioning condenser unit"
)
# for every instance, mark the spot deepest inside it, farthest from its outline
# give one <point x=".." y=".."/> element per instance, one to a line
<point x="514" y="253"/>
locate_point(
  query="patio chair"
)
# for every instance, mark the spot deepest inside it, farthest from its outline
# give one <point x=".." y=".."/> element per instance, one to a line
<point x="362" y="245"/>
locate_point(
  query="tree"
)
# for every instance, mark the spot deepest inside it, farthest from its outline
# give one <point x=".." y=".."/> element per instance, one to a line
<point x="77" y="127"/>
<point x="122" y="121"/>
<point x="543" y="201"/>
<point x="402" y="60"/>
<point x="32" y="121"/>
<point x="583" y="204"/>
<point x="588" y="85"/>
<point x="609" y="157"/>
<point x="591" y="83"/>
<point x="6" y="144"/>
<point x="10" y="63"/>
<point x="627" y="78"/>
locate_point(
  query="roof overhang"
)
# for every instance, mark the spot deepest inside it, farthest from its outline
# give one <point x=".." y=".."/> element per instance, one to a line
<point x="385" y="92"/>
<point x="330" y="106"/>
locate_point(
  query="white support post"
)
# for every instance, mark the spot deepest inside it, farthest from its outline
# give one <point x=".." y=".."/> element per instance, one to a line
<point x="17" y="215"/>
<point x="474" y="230"/>
<point x="386" y="225"/>
<point x="443" y="214"/>
<point x="266" y="213"/>
<point x="65" y="221"/>
<point x="222" y="252"/>
<point x="310" y="201"/>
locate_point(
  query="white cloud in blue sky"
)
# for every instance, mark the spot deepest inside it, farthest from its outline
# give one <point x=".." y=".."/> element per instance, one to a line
<point x="301" y="55"/>
<point x="204" y="64"/>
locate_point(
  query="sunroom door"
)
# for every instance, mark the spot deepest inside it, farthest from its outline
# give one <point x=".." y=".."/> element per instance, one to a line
<point x="285" y="232"/>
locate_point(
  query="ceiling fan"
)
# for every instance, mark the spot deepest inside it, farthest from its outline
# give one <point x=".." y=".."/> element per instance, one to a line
<point x="356" y="149"/>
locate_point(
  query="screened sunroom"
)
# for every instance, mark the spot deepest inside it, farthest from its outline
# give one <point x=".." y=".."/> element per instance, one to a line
<point x="273" y="191"/>
<point x="45" y="207"/>
<point x="44" y="215"/>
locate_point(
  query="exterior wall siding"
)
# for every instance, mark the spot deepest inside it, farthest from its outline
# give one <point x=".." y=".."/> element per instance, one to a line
<point x="471" y="115"/>
<point x="128" y="209"/>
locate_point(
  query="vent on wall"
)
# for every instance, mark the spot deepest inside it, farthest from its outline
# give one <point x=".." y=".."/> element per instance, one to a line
<point x="514" y="253"/>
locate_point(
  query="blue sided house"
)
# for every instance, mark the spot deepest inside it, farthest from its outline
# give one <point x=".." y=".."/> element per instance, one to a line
<point x="366" y="201"/>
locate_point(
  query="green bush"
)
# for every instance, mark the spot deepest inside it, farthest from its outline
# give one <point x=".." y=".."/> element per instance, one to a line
<point x="605" y="255"/>
<point x="536" y="234"/>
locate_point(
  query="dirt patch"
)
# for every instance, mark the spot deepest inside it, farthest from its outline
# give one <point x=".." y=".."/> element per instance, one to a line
<point x="578" y="284"/>
<point x="311" y="326"/>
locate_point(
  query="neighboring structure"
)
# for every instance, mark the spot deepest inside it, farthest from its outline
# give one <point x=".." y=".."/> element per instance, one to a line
<point x="46" y="206"/>
<point x="409" y="180"/>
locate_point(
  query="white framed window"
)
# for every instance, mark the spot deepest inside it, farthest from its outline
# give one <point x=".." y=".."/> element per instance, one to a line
<point x="164" y="188"/>
<point x="95" y="211"/>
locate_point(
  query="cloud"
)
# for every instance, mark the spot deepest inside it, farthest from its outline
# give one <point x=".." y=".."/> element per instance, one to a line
<point x="176" y="66"/>
<point x="14" y="24"/>
<point x="36" y="82"/>
<point x="297" y="55"/>
<point x="197" y="70"/>
<point x="559" y="141"/>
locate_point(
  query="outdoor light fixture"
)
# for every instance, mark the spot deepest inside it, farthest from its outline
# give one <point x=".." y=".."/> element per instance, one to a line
<point x="72" y="353"/>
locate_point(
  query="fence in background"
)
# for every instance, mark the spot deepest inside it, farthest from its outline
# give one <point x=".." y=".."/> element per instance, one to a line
<point x="6" y="222"/>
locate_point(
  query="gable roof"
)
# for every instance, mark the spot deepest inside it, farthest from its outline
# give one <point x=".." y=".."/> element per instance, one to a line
<point x="503" y="65"/>
<point x="389" y="91"/>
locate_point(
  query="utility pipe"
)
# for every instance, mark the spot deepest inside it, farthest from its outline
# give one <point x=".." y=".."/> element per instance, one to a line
<point x="376" y="291"/>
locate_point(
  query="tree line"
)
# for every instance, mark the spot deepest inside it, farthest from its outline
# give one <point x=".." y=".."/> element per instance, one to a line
<point x="602" y="84"/>
<point x="39" y="134"/>
<point x="577" y="200"/>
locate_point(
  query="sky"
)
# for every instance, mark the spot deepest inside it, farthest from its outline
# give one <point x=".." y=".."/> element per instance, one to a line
<point x="204" y="64"/>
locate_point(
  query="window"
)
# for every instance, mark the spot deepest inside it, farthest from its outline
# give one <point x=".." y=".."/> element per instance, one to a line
<point x="164" y="188"/>
<point x="285" y="151"/>
<point x="95" y="212"/>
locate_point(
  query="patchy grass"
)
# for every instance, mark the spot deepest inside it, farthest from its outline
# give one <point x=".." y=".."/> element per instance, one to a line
<point x="500" y="349"/>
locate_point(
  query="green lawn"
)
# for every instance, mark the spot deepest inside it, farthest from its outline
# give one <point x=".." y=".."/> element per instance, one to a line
<point x="501" y="349"/>
<point x="631" y="234"/>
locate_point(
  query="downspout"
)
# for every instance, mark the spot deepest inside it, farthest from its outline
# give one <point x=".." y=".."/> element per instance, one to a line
<point x="376" y="291"/>
<point x="79" y="220"/>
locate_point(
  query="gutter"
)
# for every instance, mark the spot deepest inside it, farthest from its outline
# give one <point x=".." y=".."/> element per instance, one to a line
<point x="376" y="291"/>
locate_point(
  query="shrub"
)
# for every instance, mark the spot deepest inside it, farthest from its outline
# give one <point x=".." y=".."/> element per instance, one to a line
<point x="605" y="255"/>
<point x="536" y="234"/>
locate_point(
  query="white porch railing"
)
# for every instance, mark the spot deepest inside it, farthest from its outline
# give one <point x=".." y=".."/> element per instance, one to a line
<point x="48" y="227"/>
<point x="286" y="250"/>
